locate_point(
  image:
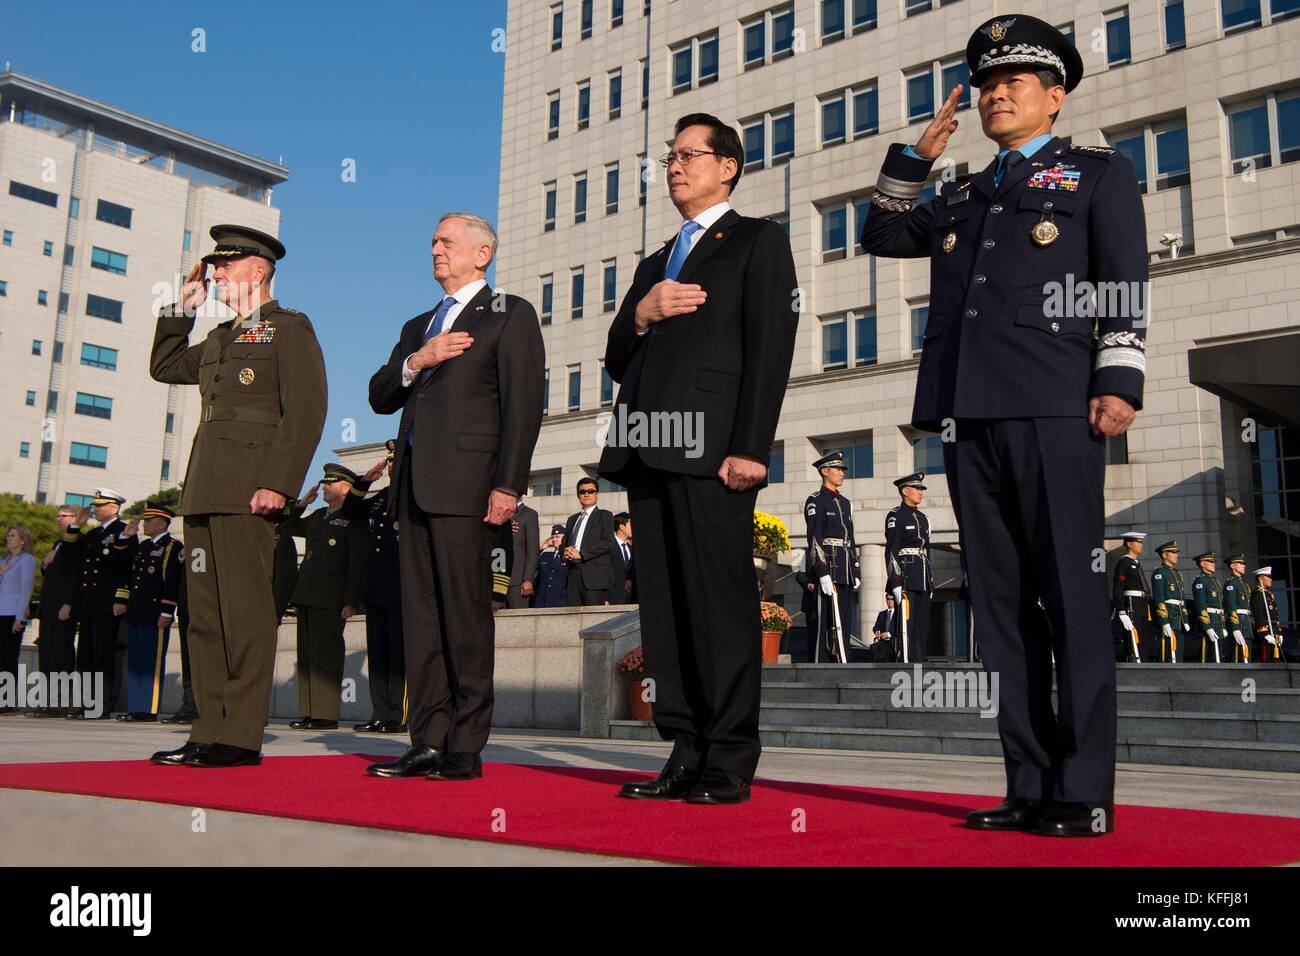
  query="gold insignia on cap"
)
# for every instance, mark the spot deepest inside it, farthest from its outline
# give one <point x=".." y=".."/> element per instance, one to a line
<point x="246" y="376"/>
<point x="997" y="31"/>
<point x="950" y="242"/>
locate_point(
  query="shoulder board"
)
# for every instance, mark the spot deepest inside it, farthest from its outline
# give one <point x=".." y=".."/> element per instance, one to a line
<point x="958" y="185"/>
<point x="288" y="311"/>
<point x="1105" y="152"/>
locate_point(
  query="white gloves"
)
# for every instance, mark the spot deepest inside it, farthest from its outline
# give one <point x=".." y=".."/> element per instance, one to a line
<point x="1239" y="639"/>
<point x="827" y="588"/>
<point x="1126" y="620"/>
<point x="1213" y="636"/>
<point x="1169" y="631"/>
<point x="857" y="583"/>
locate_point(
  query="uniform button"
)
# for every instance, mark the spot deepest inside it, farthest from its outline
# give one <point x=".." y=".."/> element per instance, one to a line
<point x="216" y="378"/>
<point x="997" y="207"/>
<point x="971" y="313"/>
<point x="212" y="397"/>
<point x="1056" y="326"/>
<point x="989" y="243"/>
<point x="981" y="278"/>
<point x="222" y="360"/>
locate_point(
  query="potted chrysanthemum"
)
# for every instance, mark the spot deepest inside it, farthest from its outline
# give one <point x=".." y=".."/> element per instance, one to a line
<point x="631" y="667"/>
<point x="775" y="621"/>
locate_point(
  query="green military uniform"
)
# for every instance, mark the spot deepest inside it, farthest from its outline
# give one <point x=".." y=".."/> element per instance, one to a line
<point x="1236" y="608"/>
<point x="332" y="576"/>
<point x="1168" y="597"/>
<point x="262" y="384"/>
<point x="1207" y="614"/>
<point x="1268" y="626"/>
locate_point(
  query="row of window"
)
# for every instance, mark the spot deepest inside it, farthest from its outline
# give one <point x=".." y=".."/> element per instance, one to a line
<point x="110" y="212"/>
<point x="578" y="291"/>
<point x="612" y="178"/>
<point x="586" y="16"/>
<point x="96" y="356"/>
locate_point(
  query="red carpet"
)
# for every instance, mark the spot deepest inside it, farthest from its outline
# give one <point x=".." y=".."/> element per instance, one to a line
<point x="568" y="809"/>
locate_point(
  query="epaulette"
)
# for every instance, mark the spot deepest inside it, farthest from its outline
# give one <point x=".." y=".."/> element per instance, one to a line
<point x="288" y="311"/>
<point x="1105" y="152"/>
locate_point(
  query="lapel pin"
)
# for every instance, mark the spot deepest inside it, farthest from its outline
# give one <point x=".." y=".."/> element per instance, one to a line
<point x="717" y="235"/>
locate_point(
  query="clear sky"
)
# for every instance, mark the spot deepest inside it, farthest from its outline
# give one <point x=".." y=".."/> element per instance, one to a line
<point x="409" y="89"/>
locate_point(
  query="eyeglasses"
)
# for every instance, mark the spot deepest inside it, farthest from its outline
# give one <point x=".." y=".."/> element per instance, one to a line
<point x="683" y="156"/>
<point x="587" y="491"/>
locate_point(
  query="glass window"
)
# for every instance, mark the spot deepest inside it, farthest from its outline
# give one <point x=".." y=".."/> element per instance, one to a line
<point x="611" y="189"/>
<point x="833" y="121"/>
<point x="68" y="252"/>
<point x="832" y="20"/>
<point x="36" y="346"/>
<point x="606" y="386"/>
<point x="31" y="398"/>
<point x="74" y="207"/>
<point x="112" y="213"/>
<point x="576" y="288"/>
<point x="48" y="248"/>
<point x="575" y="387"/>
<point x="24" y="449"/>
<point x="1134" y="146"/>
<point x="1175" y="26"/>
<point x="616" y="13"/>
<point x="927" y="455"/>
<point x="754" y="148"/>
<point x="58" y="352"/>
<point x="548" y="298"/>
<point x="682" y="69"/>
<point x="47" y="455"/>
<point x="755" y="44"/>
<point x="918" y="6"/>
<point x="584" y="104"/>
<point x="920" y="315"/>
<point x="864" y="338"/>
<point x="98" y="356"/>
<point x="185" y="241"/>
<point x="1171" y="158"/>
<point x="166" y="470"/>
<point x="834" y="233"/>
<point x="546" y="393"/>
<point x="709" y="59"/>
<point x="1281" y="9"/>
<point x="783" y="33"/>
<point x="580" y="198"/>
<point x="4" y="288"/>
<point x="954" y="73"/>
<point x="63" y="303"/>
<point x="864" y="15"/>
<point x="861" y="209"/>
<point x="782" y="135"/>
<point x="81" y="501"/>
<point x="102" y="308"/>
<point x="52" y="401"/>
<point x="645" y="83"/>
<point x="615" y="94"/>
<point x="92" y="456"/>
<point x="609" y="286"/>
<point x="114" y="262"/>
<point x="553" y="115"/>
<point x="857" y="456"/>
<point x="8" y="237"/>
<point x="170" y="424"/>
<point x="776" y="464"/>
<point x="548" y="221"/>
<point x="544" y="484"/>
<point x="1238" y="14"/>
<point x="585" y="22"/>
<point x="1248" y="134"/>
<point x="1117" y="38"/>
<point x="920" y="96"/>
<point x="42" y="196"/>
<point x="96" y="406"/>
<point x="643" y="164"/>
<point x="835" y="346"/>
<point x="1288" y="128"/>
<point x="42" y="297"/>
<point x="557" y="26"/>
<point x="866" y="112"/>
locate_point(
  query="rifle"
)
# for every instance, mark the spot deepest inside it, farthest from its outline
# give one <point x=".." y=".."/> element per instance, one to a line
<point x="1132" y="634"/>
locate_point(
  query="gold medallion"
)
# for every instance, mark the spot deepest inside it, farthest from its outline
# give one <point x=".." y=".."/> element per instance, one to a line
<point x="997" y="31"/>
<point x="394" y="525"/>
<point x="246" y="376"/>
<point x="333" y="542"/>
<point x="1044" y="233"/>
<point x="950" y="242"/>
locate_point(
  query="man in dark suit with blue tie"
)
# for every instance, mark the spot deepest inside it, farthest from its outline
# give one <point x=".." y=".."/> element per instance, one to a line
<point x="467" y="378"/>
<point x="704" y="338"/>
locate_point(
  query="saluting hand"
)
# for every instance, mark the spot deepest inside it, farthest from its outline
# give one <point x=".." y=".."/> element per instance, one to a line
<point x="666" y="299"/>
<point x="83" y="516"/>
<point x="312" y="492"/>
<point x="935" y="138"/>
<point x="195" y="291"/>
<point x="133" y="527"/>
<point x="440" y="348"/>
<point x="376" y="470"/>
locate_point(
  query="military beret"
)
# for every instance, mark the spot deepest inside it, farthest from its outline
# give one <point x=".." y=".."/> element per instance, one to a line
<point x="913" y="480"/>
<point x="107" y="496"/>
<point x="832" y="459"/>
<point x="235" y="241"/>
<point x="1023" y="41"/>
<point x="336" y="472"/>
<point x="1168" y="546"/>
<point x="1207" y="556"/>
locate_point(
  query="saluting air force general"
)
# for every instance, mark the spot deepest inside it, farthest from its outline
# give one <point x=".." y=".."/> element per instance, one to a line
<point x="833" y="558"/>
<point x="261" y="380"/>
<point x="1029" y="386"/>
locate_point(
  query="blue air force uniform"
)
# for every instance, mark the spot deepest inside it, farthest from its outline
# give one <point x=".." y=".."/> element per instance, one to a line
<point x="907" y="571"/>
<point x="832" y="553"/>
<point x="551" y="573"/>
<point x="151" y="597"/>
<point x="1012" y="360"/>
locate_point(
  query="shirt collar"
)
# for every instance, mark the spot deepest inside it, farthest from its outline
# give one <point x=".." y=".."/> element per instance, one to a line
<point x="1029" y="148"/>
<point x="158" y="537"/>
<point x="712" y="215"/>
<point x="468" y="291"/>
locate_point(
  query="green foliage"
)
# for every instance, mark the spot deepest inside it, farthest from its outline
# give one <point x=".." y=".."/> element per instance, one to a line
<point x="169" y="497"/>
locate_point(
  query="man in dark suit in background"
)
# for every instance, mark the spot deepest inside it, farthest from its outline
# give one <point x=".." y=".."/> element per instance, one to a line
<point x="61" y="569"/>
<point x="623" y="583"/>
<point x="704" y="337"/>
<point x="525" y="531"/>
<point x="589" y="536"/>
<point x="884" y="630"/>
<point x="467" y="378"/>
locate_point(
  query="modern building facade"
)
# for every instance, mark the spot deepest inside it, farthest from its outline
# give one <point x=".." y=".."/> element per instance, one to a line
<point x="101" y="211"/>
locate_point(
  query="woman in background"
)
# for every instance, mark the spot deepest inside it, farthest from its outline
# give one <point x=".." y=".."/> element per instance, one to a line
<point x="17" y="576"/>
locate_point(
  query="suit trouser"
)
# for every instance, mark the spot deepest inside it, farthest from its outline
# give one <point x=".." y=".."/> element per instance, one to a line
<point x="146" y="656"/>
<point x="699" y="616"/>
<point x="187" y="684"/>
<point x="447" y="627"/>
<point x="515" y="598"/>
<point x="320" y="662"/>
<point x="96" y="654"/>
<point x="56" y="654"/>
<point x="579" y="594"/>
<point x="387" y="664"/>
<point x="918" y="626"/>
<point x="1028" y="498"/>
<point x="232" y="626"/>
<point x="811" y="627"/>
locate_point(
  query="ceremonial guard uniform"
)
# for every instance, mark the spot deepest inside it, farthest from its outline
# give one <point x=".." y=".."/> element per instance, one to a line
<point x="151" y="599"/>
<point x="907" y="570"/>
<point x="1168" y="597"/>
<point x="551" y="574"/>
<point x="1236" y="608"/>
<point x="55" y="646"/>
<point x="103" y="570"/>
<point x="1268" y="626"/>
<point x="833" y="558"/>
<point x="1130" y="599"/>
<point x="331" y="577"/>
<point x="1207" y="614"/>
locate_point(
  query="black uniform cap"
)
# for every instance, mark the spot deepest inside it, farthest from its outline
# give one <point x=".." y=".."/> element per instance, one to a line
<point x="911" y="481"/>
<point x="235" y="241"/>
<point x="336" y="472"/>
<point x="1023" y="41"/>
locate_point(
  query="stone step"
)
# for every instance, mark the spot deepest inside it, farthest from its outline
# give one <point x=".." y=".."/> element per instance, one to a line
<point x="1139" y="675"/>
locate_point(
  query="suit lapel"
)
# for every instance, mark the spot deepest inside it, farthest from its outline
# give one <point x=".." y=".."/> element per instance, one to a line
<point x="709" y="242"/>
<point x="474" y="310"/>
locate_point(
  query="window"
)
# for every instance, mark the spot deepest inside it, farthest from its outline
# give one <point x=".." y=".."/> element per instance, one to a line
<point x="81" y="501"/>
<point x="114" y="262"/>
<point x="42" y="297"/>
<point x="606" y="386"/>
<point x="919" y="6"/>
<point x="776" y="464"/>
<point x="783" y="33"/>
<point x="47" y="455"/>
<point x="1118" y="50"/>
<point x="548" y="218"/>
<point x="849" y="333"/>
<point x="36" y="346"/>
<point x="31" y="398"/>
<point x="615" y="94"/>
<point x="752" y="134"/>
<point x="42" y="196"/>
<point x="185" y="241"/>
<point x="920" y="316"/>
<point x="48" y="248"/>
<point x="98" y="356"/>
<point x="1281" y="9"/>
<point x="930" y="85"/>
<point x="864" y="15"/>
<point x="609" y="285"/>
<point x="1175" y="26"/>
<point x="835" y="343"/>
<point x="611" y="189"/>
<point x="864" y="337"/>
<point x="866" y="111"/>
<point x="754" y="43"/>
<point x="645" y="84"/>
<point x="92" y="456"/>
<point x="584" y="21"/>
<point x="69" y="251"/>
<point x="96" y="406"/>
<point x="546" y="393"/>
<point x="113" y="214"/>
<point x="927" y="454"/>
<point x="953" y="72"/>
<point x="1265" y="133"/>
<point x="857" y="448"/>
<point x="1172" y="163"/>
<point x="548" y="297"/>
<point x="782" y="135"/>
<point x="694" y="62"/>
<point x="170" y="423"/>
<point x="57" y="358"/>
<point x="103" y="308"/>
<point x="920" y="96"/>
<point x="778" y="24"/>
<point x="575" y="292"/>
<point x="63" y="303"/>
<point x="4" y="288"/>
<point x="832" y="20"/>
<point x="552" y="114"/>
<point x="74" y="207"/>
<point x="839" y="231"/>
<point x="579" y="198"/>
<point x="584" y="104"/>
<point x="615" y="13"/>
<point x="557" y="26"/>
<point x="52" y="401"/>
<point x="1067" y="29"/>
<point x="776" y="127"/>
<point x="644" y="176"/>
<point x="24" y="449"/>
<point x="544" y="484"/>
<point x="8" y="237"/>
<point x="1166" y="144"/>
<point x="575" y="387"/>
<point x="1240" y="14"/>
<point x="166" y="470"/>
<point x="833" y="128"/>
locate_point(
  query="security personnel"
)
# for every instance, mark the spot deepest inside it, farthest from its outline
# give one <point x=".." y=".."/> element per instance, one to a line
<point x="907" y="566"/>
<point x="552" y="572"/>
<point x="1168" y="595"/>
<point x="833" y="557"/>
<point x="151" y="599"/>
<point x="261" y="379"/>
<point x="1268" y="626"/>
<point x="330" y="588"/>
<point x="1027" y="382"/>
<point x="1236" y="607"/>
<point x="103" y="570"/>
<point x="385" y="656"/>
<point x="60" y="576"/>
<point x="1206" y="613"/>
<point x="1130" y="598"/>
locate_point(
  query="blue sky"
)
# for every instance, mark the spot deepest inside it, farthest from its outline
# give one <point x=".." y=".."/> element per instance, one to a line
<point x="411" y="90"/>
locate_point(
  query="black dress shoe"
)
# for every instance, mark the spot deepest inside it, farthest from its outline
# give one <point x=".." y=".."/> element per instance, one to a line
<point x="1010" y="814"/>
<point x="137" y="718"/>
<point x="673" y="783"/>
<point x="393" y="727"/>
<point x="47" y="712"/>
<point x="75" y="715"/>
<point x="458" y="766"/>
<point x="224" y="755"/>
<point x="174" y="758"/>
<point x="178" y="719"/>
<point x="416" y="762"/>
<point x="1076" y="820"/>
<point x="719" y="786"/>
<point x="369" y="727"/>
<point x="302" y="723"/>
<point x="318" y="724"/>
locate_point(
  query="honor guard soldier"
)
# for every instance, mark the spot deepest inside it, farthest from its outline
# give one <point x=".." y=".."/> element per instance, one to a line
<point x="383" y="599"/>
<point x="328" y="592"/>
<point x="1129" y="598"/>
<point x="1236" y="608"/>
<point x="1168" y="596"/>
<point x="1268" y="626"/>
<point x="833" y="557"/>
<point x="261" y="379"/>
<point x="104" y="569"/>
<point x="151" y="599"/>
<point x="907" y="567"/>
<point x="1026" y="387"/>
<point x="1207" y="612"/>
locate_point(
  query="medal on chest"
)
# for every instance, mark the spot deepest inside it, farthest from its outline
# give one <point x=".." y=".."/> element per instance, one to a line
<point x="950" y="242"/>
<point x="1045" y="231"/>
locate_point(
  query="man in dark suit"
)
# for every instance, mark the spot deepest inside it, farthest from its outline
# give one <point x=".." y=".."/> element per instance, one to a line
<point x="525" y="530"/>
<point x="590" y="536"/>
<point x="55" y="650"/>
<point x="467" y="378"/>
<point x="1028" y="389"/>
<point x="704" y="338"/>
<point x="623" y="583"/>
<point x="884" y="630"/>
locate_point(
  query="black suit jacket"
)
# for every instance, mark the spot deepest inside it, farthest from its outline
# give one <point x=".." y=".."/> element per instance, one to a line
<point x="884" y="622"/>
<point x="597" y="540"/>
<point x="474" y="418"/>
<point x="727" y="363"/>
<point x="621" y="571"/>
<point x="59" y="581"/>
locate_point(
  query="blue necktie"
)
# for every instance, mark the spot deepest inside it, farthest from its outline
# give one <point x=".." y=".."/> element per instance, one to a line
<point x="1006" y="162"/>
<point x="436" y="326"/>
<point x="683" y="248"/>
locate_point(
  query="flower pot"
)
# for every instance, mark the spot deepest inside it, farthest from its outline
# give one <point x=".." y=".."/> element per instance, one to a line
<point x="771" y="646"/>
<point x="641" y="709"/>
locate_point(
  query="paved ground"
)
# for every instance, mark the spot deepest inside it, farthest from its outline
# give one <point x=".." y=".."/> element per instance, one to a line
<point x="59" y="829"/>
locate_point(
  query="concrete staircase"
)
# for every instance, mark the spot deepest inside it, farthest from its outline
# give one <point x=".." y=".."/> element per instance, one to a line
<point x="1191" y="715"/>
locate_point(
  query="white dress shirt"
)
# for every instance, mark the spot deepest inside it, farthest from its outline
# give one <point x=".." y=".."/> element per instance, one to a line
<point x="462" y="297"/>
<point x="580" y="528"/>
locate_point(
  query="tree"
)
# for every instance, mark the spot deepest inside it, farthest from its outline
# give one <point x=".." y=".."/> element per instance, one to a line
<point x="168" y="497"/>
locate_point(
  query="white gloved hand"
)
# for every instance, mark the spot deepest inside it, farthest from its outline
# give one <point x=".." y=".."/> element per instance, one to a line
<point x="827" y="588"/>
<point x="1270" y="638"/>
<point x="1186" y="626"/>
<point x="857" y="583"/>
<point x="898" y="599"/>
<point x="1169" y="631"/>
<point x="1126" y="620"/>
<point x="1239" y="639"/>
<point x="1213" y="636"/>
